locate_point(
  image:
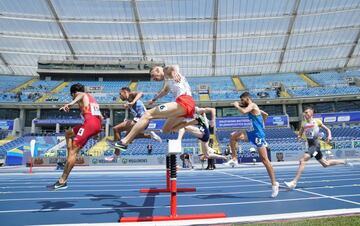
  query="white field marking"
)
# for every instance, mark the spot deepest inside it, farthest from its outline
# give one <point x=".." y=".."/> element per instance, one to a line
<point x="187" y="173"/>
<point x="301" y="190"/>
<point x="167" y="206"/>
<point x="155" y="171"/>
<point x="84" y="173"/>
<point x="119" y="181"/>
<point x="183" y="179"/>
<point x="205" y="187"/>
<point x="136" y="185"/>
<point x="331" y="187"/>
<point x="327" y="196"/>
<point x="121" y="190"/>
<point x="138" y="196"/>
<point x="180" y="183"/>
<point x="246" y="219"/>
<point x="328" y="171"/>
<point x="309" y="175"/>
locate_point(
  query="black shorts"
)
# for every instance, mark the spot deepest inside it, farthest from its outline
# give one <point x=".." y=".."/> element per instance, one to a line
<point x="206" y="134"/>
<point x="314" y="149"/>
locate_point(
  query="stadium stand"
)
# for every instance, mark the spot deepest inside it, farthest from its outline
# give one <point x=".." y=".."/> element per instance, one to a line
<point x="264" y="81"/>
<point x="9" y="82"/>
<point x="108" y="91"/>
<point x="324" y="91"/>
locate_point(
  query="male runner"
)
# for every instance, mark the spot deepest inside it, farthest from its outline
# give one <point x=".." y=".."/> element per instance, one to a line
<point x="256" y="136"/>
<point x="137" y="109"/>
<point x="310" y="127"/>
<point x="77" y="137"/>
<point x="173" y="112"/>
<point x="201" y="131"/>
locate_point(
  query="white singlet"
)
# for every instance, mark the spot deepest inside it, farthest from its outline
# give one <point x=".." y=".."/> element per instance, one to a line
<point x="178" y="88"/>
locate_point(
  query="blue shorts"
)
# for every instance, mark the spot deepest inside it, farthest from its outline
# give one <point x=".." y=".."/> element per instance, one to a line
<point x="256" y="139"/>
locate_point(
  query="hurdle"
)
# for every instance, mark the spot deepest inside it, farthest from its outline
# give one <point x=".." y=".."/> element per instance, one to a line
<point x="167" y="189"/>
<point x="173" y="149"/>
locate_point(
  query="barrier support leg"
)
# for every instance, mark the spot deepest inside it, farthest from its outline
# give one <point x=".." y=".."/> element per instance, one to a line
<point x="173" y="204"/>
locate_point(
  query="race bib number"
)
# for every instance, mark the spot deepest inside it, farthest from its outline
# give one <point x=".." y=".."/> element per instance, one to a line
<point x="80" y="132"/>
<point x="95" y="109"/>
<point x="162" y="107"/>
<point x="309" y="134"/>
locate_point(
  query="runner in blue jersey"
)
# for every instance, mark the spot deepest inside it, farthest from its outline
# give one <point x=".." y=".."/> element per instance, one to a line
<point x="137" y="109"/>
<point x="255" y="136"/>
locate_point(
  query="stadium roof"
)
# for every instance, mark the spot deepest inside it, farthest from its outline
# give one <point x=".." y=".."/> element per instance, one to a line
<point x="205" y="37"/>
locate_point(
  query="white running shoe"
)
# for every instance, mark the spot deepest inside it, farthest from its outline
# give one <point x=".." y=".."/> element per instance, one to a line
<point x="236" y="164"/>
<point x="290" y="185"/>
<point x="349" y="164"/>
<point x="154" y="136"/>
<point x="275" y="190"/>
<point x="231" y="163"/>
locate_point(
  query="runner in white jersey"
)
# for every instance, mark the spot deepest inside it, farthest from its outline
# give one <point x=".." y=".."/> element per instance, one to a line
<point x="310" y="127"/>
<point x="173" y="112"/>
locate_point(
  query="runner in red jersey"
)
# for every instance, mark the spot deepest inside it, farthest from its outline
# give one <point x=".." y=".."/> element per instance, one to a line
<point x="77" y="137"/>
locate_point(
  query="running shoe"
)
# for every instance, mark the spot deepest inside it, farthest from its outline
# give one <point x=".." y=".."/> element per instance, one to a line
<point x="57" y="186"/>
<point x="347" y="163"/>
<point x="155" y="137"/>
<point x="231" y="163"/>
<point x="290" y="185"/>
<point x="120" y="146"/>
<point x="275" y="190"/>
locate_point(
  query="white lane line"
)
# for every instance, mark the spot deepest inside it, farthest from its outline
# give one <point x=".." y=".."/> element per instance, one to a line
<point x="332" y="187"/>
<point x="300" y="190"/>
<point x="210" y="181"/>
<point x="167" y="206"/>
<point x="127" y="185"/>
<point x="198" y="188"/>
<point x="185" y="175"/>
<point x="140" y="172"/>
<point x="227" y="220"/>
<point x="114" y="180"/>
<point x="120" y="190"/>
<point x="74" y="184"/>
<point x="86" y="181"/>
<point x="308" y="176"/>
<point x="137" y="196"/>
<point x="327" y="196"/>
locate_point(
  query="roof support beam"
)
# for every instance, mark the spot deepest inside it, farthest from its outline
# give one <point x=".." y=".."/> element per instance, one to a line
<point x="170" y="54"/>
<point x="138" y="27"/>
<point x="351" y="52"/>
<point x="288" y="33"/>
<point x="57" y="20"/>
<point x="6" y="64"/>
<point x="167" y="20"/>
<point x="216" y="15"/>
<point x="160" y="39"/>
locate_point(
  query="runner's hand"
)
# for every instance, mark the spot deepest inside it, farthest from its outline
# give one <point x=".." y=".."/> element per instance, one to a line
<point x="65" y="108"/>
<point x="151" y="102"/>
<point x="328" y="139"/>
<point x="236" y="104"/>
